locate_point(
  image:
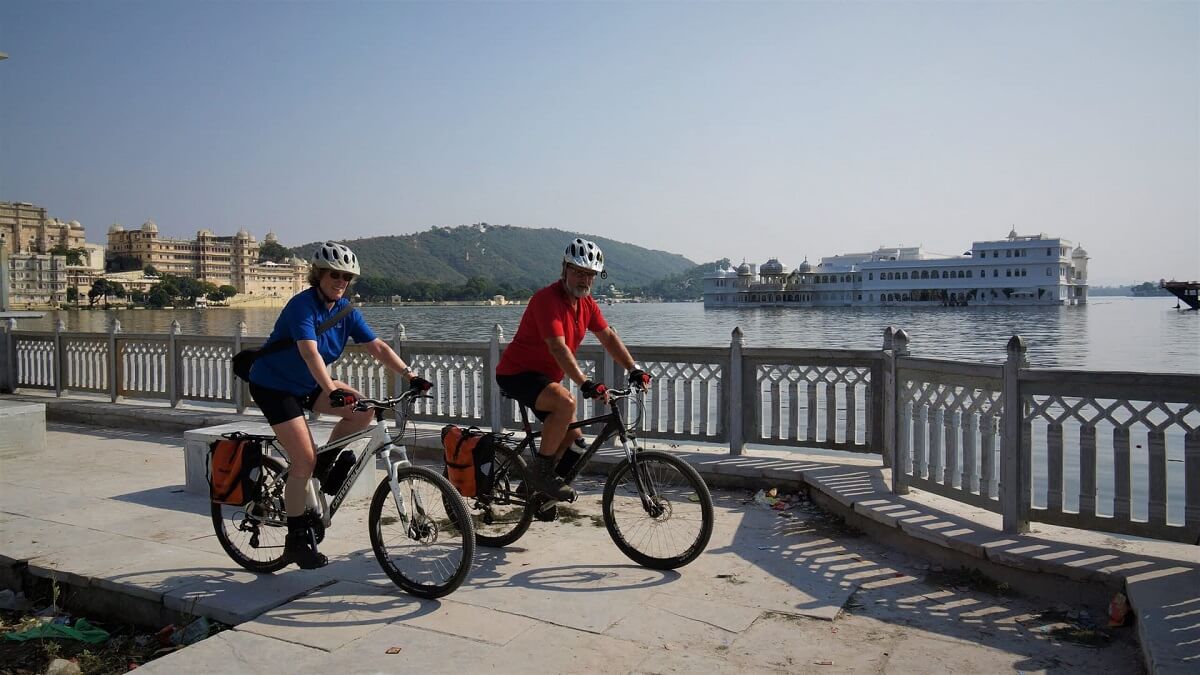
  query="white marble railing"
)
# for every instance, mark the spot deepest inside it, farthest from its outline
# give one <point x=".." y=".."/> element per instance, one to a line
<point x="1117" y="452"/>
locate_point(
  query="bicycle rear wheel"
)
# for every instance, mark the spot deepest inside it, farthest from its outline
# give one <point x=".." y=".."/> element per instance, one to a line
<point x="676" y="528"/>
<point x="427" y="551"/>
<point x="501" y="516"/>
<point x="253" y="534"/>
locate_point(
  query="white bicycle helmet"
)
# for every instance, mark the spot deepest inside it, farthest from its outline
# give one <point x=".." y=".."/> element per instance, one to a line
<point x="334" y="256"/>
<point x="585" y="254"/>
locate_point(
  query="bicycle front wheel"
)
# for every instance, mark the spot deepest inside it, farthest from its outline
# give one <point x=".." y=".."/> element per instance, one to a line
<point x="673" y="529"/>
<point x="253" y="533"/>
<point x="426" y="544"/>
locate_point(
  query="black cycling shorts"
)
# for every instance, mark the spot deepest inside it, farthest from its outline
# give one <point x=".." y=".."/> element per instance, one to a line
<point x="280" y="406"/>
<point x="526" y="387"/>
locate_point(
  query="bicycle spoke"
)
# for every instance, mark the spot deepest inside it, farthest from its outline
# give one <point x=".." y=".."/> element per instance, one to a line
<point x="426" y="553"/>
<point x="678" y="522"/>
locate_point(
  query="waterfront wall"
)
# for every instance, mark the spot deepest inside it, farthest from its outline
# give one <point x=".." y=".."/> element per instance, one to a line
<point x="1108" y="451"/>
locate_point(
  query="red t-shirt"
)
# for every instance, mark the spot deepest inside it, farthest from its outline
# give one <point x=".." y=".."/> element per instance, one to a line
<point x="549" y="314"/>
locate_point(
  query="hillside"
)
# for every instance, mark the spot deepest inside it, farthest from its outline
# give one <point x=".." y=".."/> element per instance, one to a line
<point x="519" y="256"/>
<point x="685" y="285"/>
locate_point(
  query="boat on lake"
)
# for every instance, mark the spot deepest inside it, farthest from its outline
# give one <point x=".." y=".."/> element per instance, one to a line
<point x="1187" y="291"/>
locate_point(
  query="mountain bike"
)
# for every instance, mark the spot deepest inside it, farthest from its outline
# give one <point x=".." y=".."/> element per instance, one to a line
<point x="656" y="507"/>
<point x="419" y="526"/>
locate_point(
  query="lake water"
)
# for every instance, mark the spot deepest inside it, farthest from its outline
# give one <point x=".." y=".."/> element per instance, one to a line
<point x="1109" y="333"/>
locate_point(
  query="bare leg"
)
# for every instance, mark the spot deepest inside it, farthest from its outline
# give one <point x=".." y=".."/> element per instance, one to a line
<point x="297" y="442"/>
<point x="556" y="400"/>
<point x="351" y="421"/>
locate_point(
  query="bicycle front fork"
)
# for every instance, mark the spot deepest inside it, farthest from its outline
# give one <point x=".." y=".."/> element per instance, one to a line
<point x="394" y="482"/>
<point x="645" y="486"/>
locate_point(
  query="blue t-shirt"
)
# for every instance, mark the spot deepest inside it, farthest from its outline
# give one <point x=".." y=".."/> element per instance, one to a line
<point x="285" y="370"/>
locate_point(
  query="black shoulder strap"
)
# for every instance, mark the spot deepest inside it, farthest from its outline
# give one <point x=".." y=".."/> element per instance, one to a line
<point x="332" y="321"/>
<point x="280" y="345"/>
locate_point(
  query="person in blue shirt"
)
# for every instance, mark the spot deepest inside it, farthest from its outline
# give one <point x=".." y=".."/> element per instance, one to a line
<point x="286" y="383"/>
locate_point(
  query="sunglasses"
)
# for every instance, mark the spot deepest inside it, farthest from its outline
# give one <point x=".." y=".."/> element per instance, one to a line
<point x="341" y="276"/>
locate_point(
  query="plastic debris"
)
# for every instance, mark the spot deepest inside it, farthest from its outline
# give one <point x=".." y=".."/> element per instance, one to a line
<point x="763" y="500"/>
<point x="83" y="631"/>
<point x="63" y="667"/>
<point x="1118" y="610"/>
<point x="824" y="663"/>
<point x="392" y="650"/>
<point x="193" y="633"/>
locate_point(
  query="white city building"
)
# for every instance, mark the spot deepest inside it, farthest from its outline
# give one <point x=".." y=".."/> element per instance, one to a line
<point x="1017" y="270"/>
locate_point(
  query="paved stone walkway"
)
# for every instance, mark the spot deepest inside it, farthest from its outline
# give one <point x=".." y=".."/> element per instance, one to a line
<point x="797" y="592"/>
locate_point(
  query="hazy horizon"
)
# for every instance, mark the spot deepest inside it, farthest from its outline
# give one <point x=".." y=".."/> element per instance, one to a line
<point x="739" y="130"/>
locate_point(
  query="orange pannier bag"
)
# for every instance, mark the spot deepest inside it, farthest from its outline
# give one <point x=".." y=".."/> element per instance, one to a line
<point x="469" y="454"/>
<point x="234" y="469"/>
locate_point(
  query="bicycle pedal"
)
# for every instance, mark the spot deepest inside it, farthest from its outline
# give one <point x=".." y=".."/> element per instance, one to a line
<point x="548" y="512"/>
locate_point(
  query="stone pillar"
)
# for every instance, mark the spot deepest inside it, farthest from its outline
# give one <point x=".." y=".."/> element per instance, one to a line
<point x="59" y="367"/>
<point x="236" y="383"/>
<point x="173" y="364"/>
<point x="1014" y="454"/>
<point x="885" y="428"/>
<point x="494" y="401"/>
<point x="398" y="347"/>
<point x="899" y="348"/>
<point x="114" y="361"/>
<point x="734" y="392"/>
<point x="10" y="356"/>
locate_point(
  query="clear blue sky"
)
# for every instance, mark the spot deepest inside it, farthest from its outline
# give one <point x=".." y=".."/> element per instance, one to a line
<point x="748" y="130"/>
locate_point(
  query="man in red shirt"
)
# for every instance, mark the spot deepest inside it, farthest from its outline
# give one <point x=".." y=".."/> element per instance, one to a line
<point x="543" y="351"/>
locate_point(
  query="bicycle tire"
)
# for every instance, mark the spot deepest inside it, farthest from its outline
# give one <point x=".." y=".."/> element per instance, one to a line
<point x="502" y="516"/>
<point x="675" y="496"/>
<point x="242" y="529"/>
<point x="439" y="538"/>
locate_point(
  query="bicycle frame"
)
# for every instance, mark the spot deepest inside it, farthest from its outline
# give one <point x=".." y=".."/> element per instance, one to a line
<point x="614" y="425"/>
<point x="382" y="443"/>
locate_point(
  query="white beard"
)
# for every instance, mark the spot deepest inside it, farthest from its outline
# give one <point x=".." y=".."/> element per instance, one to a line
<point x="577" y="293"/>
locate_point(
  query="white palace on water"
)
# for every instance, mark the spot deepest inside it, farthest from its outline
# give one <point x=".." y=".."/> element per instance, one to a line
<point x="1019" y="270"/>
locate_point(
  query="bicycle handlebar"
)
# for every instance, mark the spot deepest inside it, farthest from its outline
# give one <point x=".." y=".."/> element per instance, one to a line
<point x="388" y="403"/>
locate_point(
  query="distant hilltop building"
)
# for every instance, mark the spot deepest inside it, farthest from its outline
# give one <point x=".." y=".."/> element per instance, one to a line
<point x="231" y="261"/>
<point x="1017" y="270"/>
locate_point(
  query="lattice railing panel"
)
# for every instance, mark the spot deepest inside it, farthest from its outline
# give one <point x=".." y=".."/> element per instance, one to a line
<point x="85" y="364"/>
<point x="1114" y="464"/>
<point x="143" y="367"/>
<point x="949" y="437"/>
<point x="204" y="371"/>
<point x="814" y="405"/>
<point x="35" y="361"/>
<point x="684" y="401"/>
<point x="459" y="385"/>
